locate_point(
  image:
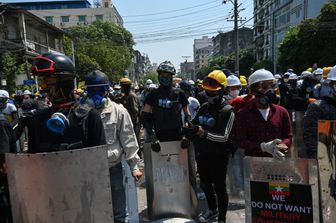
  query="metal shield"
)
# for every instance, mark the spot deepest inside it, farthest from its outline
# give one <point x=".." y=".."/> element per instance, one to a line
<point x="294" y="172"/>
<point x="68" y="186"/>
<point x="167" y="181"/>
<point x="326" y="152"/>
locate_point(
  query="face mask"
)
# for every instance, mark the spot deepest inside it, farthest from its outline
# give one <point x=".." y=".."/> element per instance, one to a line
<point x="97" y="101"/>
<point x="166" y="80"/>
<point x="285" y="80"/>
<point x="268" y="98"/>
<point x="126" y="89"/>
<point x="234" y="93"/>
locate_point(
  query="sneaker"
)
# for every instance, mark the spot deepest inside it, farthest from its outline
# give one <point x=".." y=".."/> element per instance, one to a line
<point x="208" y="215"/>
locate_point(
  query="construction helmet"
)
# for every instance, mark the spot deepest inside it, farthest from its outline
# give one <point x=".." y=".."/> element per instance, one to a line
<point x="215" y="81"/>
<point x="326" y="71"/>
<point x="27" y="92"/>
<point x="166" y="66"/>
<point x="332" y="74"/>
<point x="310" y="69"/>
<point x="125" y="80"/>
<point x="148" y="82"/>
<point x="318" y="71"/>
<point x="4" y="94"/>
<point x="260" y="75"/>
<point x="293" y="76"/>
<point x="243" y="80"/>
<point x="277" y="76"/>
<point x="232" y="80"/>
<point x="185" y="85"/>
<point x="306" y="73"/>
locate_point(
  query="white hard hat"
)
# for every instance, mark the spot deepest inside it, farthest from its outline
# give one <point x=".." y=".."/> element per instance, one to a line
<point x="293" y="76"/>
<point x="152" y="86"/>
<point x="149" y="81"/>
<point x="27" y="92"/>
<point x="232" y="80"/>
<point x="191" y="82"/>
<point x="318" y="71"/>
<point x="332" y="74"/>
<point x="287" y="74"/>
<point x="305" y="73"/>
<point x="4" y="94"/>
<point x="260" y="75"/>
<point x="277" y="76"/>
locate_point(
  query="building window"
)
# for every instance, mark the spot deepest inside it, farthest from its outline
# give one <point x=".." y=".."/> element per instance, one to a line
<point x="99" y="17"/>
<point x="65" y="18"/>
<point x="298" y="12"/>
<point x="82" y="18"/>
<point x="49" y="19"/>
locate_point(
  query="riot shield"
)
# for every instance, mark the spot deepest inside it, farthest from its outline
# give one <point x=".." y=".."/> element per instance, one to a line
<point x="281" y="191"/>
<point x="69" y="186"/>
<point x="167" y="181"/>
<point x="326" y="159"/>
<point x="298" y="149"/>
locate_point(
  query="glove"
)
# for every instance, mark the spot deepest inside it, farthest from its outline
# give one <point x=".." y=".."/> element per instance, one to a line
<point x="155" y="145"/>
<point x="190" y="130"/>
<point x="185" y="143"/>
<point x="272" y="148"/>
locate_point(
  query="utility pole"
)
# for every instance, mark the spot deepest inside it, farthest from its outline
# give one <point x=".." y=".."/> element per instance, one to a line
<point x="236" y="19"/>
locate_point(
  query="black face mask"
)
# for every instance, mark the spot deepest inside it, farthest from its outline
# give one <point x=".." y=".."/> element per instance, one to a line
<point x="267" y="98"/>
<point x="126" y="89"/>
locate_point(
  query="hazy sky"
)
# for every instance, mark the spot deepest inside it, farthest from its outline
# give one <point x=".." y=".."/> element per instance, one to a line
<point x="165" y="30"/>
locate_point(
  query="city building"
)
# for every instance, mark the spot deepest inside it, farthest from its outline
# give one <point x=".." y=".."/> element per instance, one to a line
<point x="187" y="69"/>
<point x="224" y="43"/>
<point x="137" y="68"/>
<point x="26" y="33"/>
<point x="201" y="51"/>
<point x="67" y="13"/>
<point x="273" y="18"/>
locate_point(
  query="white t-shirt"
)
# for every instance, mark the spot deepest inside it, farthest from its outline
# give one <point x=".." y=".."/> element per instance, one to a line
<point x="264" y="113"/>
<point x="192" y="106"/>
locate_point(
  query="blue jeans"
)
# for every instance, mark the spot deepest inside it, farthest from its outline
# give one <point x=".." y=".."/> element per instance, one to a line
<point x="118" y="193"/>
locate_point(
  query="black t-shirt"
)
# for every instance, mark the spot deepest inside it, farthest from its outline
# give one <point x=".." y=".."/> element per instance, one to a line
<point x="150" y="99"/>
<point x="167" y="123"/>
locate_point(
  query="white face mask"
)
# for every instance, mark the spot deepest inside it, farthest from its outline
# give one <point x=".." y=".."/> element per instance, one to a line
<point x="234" y="93"/>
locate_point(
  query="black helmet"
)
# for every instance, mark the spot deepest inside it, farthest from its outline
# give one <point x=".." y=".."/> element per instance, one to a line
<point x="53" y="63"/>
<point x="185" y="85"/>
<point x="166" y="66"/>
<point x="96" y="79"/>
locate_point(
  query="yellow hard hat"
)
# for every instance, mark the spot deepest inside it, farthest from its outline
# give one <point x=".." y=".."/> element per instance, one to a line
<point x="125" y="80"/>
<point x="326" y="71"/>
<point x="243" y="80"/>
<point x="215" y="81"/>
<point x="310" y="69"/>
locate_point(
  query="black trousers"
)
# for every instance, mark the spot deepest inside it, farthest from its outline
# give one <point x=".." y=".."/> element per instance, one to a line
<point x="212" y="171"/>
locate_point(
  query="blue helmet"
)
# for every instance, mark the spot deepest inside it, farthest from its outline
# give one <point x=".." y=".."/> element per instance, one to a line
<point x="97" y="79"/>
<point x="185" y="85"/>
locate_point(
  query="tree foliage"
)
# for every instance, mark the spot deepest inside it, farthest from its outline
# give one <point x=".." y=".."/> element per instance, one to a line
<point x="102" y="45"/>
<point x="312" y="41"/>
<point x="10" y="69"/>
<point x="150" y="75"/>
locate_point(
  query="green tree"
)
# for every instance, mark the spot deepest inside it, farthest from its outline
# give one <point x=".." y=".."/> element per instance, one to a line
<point x="266" y="64"/>
<point x="150" y="75"/>
<point x="102" y="45"/>
<point x="312" y="41"/>
<point x="10" y="69"/>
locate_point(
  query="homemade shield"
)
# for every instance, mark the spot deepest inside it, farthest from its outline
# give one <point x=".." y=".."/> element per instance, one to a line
<point x="167" y="181"/>
<point x="69" y="186"/>
<point x="326" y="152"/>
<point x="281" y="191"/>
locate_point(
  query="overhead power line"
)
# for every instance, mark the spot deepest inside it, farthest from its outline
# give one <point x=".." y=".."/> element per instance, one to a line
<point x="170" y="11"/>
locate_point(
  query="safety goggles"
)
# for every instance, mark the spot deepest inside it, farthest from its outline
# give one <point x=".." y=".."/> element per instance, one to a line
<point x="43" y="65"/>
<point x="265" y="86"/>
<point x="211" y="84"/>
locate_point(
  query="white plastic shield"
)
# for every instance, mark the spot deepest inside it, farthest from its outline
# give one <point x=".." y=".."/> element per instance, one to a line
<point x="281" y="191"/>
<point x="167" y="181"/>
<point x="326" y="153"/>
<point x="68" y="186"/>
